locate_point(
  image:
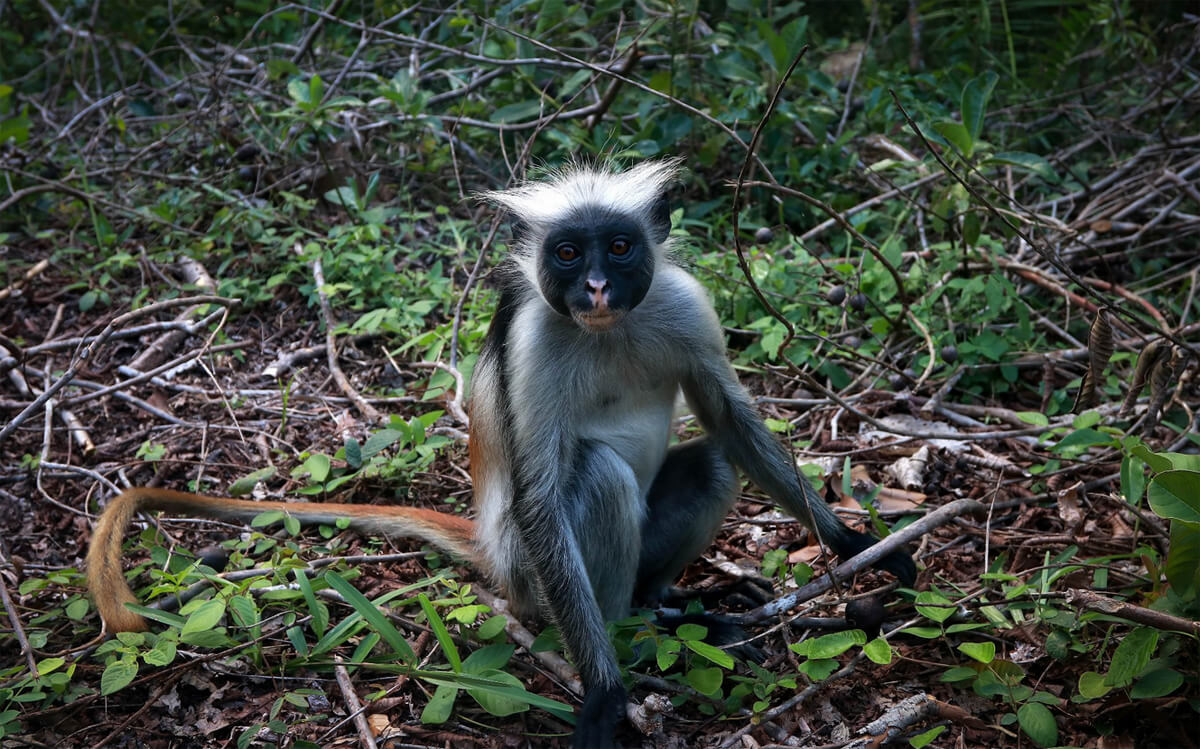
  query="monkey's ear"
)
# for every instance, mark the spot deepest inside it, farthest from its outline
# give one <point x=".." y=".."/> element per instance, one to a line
<point x="660" y="219"/>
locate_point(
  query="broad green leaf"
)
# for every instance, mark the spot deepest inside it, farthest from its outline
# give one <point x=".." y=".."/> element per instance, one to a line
<point x="974" y="102"/>
<point x="317" y="467"/>
<point x="959" y="673"/>
<point x="499" y="702"/>
<point x="1027" y="161"/>
<point x="818" y="670"/>
<point x="1183" y="560"/>
<point x="879" y="651"/>
<point x="1036" y="418"/>
<point x="938" y="608"/>
<point x="162" y="654"/>
<point x="50" y="665"/>
<point x="488" y="657"/>
<point x="1131" y="657"/>
<point x="1157" y="683"/>
<point x="381" y="440"/>
<point x="1038" y="723"/>
<point x="1081" y="438"/>
<point x="691" y="631"/>
<point x="204" y="617"/>
<point x="926" y="738"/>
<point x="713" y="654"/>
<point x="1176" y="495"/>
<point x="956" y="135"/>
<point x="1133" y="478"/>
<point x="246" y="484"/>
<point x="831" y="645"/>
<point x="118" y="674"/>
<point x="491" y="627"/>
<point x="984" y="652"/>
<point x="439" y="707"/>
<point x="705" y="680"/>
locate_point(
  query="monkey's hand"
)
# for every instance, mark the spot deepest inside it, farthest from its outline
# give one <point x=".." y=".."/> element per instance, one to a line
<point x="603" y="708"/>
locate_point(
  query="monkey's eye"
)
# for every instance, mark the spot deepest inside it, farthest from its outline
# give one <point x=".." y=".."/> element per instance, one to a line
<point x="566" y="252"/>
<point x="620" y="247"/>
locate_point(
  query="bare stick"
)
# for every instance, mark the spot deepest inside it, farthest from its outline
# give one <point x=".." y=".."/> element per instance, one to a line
<point x="352" y="704"/>
<point x="366" y="409"/>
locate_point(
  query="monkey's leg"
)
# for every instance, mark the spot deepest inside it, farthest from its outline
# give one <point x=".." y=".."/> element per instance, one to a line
<point x="690" y="496"/>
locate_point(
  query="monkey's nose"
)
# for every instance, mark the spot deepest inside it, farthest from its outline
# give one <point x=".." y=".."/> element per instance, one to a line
<point x="598" y="291"/>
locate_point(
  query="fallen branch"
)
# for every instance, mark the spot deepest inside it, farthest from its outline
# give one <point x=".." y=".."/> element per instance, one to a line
<point x="1091" y="601"/>
<point x="935" y="519"/>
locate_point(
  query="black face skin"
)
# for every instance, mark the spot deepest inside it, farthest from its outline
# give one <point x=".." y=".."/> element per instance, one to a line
<point x="597" y="265"/>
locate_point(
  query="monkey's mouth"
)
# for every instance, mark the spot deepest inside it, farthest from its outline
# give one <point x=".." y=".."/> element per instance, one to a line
<point x="597" y="322"/>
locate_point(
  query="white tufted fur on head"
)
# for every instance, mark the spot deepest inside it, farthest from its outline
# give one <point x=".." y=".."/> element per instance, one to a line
<point x="541" y="203"/>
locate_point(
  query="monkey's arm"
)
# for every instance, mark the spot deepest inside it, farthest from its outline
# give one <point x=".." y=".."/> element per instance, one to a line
<point x="727" y="414"/>
<point x="106" y="580"/>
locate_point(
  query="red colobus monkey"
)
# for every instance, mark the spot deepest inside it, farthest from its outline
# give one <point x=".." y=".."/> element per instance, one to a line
<point x="582" y="506"/>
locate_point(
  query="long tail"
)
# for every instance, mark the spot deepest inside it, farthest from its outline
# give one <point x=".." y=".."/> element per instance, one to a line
<point x="106" y="581"/>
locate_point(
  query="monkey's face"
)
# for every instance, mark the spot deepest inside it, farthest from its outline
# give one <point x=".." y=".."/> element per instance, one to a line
<point x="595" y="267"/>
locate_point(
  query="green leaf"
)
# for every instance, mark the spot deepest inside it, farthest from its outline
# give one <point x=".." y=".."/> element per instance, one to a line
<point x="439" y="707"/>
<point x="667" y="653"/>
<point x="50" y="665"/>
<point x="831" y="645"/>
<point x="818" y="670"/>
<point x="879" y="651"/>
<point x="246" y="483"/>
<point x="381" y="440"/>
<point x="705" y="680"/>
<point x="517" y="112"/>
<point x="487" y="658"/>
<point x="691" y="631"/>
<point x="1082" y="438"/>
<point x="1036" y="418"/>
<point x="118" y="674"/>
<point x="1038" y="723"/>
<point x="956" y="135"/>
<point x="317" y="467"/>
<point x="491" y="627"/>
<point x="1133" y="478"/>
<point x="984" y="652"/>
<point x="298" y="90"/>
<point x="499" y="702"/>
<point x="162" y="654"/>
<point x="204" y="617"/>
<point x="1176" y="495"/>
<point x="441" y="633"/>
<point x="713" y="654"/>
<point x="373" y="616"/>
<point x="974" y="102"/>
<point x="1131" y="657"/>
<point x="353" y="453"/>
<point x="1027" y="161"/>
<point x="1183" y="560"/>
<point x="959" y="673"/>
<point x="926" y="738"/>
<point x="925" y="633"/>
<point x="1158" y="683"/>
<point x="940" y="610"/>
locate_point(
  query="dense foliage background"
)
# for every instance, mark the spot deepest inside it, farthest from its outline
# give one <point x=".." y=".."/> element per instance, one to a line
<point x="954" y="249"/>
